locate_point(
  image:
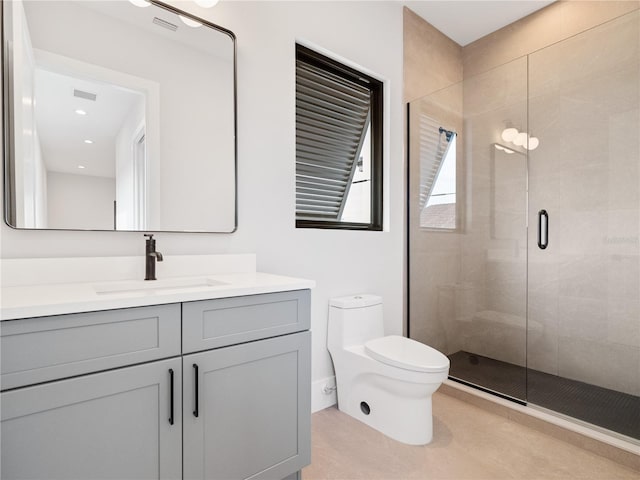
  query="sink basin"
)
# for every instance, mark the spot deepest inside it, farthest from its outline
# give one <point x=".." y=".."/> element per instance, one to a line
<point x="156" y="285"/>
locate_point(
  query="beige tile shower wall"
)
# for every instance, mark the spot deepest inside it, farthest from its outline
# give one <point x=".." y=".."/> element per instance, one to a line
<point x="433" y="62"/>
<point x="552" y="24"/>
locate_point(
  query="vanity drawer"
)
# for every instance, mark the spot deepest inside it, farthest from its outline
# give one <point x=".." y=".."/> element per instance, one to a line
<point x="35" y="350"/>
<point x="217" y="323"/>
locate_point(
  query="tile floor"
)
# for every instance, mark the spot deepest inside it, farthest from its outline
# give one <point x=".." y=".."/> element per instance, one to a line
<point x="469" y="443"/>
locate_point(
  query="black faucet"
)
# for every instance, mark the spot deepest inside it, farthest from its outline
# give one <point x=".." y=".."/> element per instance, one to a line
<point x="150" y="257"/>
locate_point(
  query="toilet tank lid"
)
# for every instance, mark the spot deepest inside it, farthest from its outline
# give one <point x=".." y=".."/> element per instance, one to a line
<point x="355" y="301"/>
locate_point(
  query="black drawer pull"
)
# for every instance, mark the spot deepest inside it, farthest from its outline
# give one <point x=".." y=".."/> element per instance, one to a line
<point x="171" y="396"/>
<point x="195" y="368"/>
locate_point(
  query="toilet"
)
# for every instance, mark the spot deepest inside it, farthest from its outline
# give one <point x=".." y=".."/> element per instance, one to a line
<point x="383" y="381"/>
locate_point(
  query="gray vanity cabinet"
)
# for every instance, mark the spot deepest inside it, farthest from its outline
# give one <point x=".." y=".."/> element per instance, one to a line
<point x="110" y="425"/>
<point x="100" y="395"/>
<point x="247" y="410"/>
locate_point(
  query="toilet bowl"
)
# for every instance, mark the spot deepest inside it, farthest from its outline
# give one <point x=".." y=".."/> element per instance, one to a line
<point x="384" y="381"/>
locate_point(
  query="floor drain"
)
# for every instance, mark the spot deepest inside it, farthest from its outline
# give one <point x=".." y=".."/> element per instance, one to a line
<point x="364" y="406"/>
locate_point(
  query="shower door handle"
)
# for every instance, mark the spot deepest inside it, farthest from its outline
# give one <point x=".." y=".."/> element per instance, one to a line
<point x="543" y="229"/>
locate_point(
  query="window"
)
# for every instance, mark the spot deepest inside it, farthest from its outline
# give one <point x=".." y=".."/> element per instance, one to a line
<point x="338" y="145"/>
<point x="438" y="206"/>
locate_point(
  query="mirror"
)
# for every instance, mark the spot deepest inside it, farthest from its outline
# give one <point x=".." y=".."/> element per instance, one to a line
<point x="118" y="117"/>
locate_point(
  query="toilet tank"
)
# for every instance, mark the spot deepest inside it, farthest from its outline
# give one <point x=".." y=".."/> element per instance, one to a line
<point x="354" y="320"/>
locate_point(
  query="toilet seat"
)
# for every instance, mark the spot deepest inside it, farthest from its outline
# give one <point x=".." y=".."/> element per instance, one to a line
<point x="408" y="354"/>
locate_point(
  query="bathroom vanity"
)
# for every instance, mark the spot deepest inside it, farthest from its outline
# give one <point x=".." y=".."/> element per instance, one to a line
<point x="195" y="378"/>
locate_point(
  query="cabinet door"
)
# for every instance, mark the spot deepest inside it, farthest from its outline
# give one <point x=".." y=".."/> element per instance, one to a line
<point x="112" y="425"/>
<point x="247" y="410"/>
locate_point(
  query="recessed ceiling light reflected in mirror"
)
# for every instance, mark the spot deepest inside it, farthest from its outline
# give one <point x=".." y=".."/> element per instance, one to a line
<point x="81" y="167"/>
<point x="206" y="3"/>
<point x="81" y="112"/>
<point x="189" y="22"/>
<point x="140" y="3"/>
<point x="88" y="141"/>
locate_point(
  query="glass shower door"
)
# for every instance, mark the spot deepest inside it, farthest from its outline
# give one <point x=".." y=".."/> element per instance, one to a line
<point x="583" y="334"/>
<point x="467" y="228"/>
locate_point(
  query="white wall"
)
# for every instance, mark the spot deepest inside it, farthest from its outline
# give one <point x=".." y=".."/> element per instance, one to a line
<point x="342" y="262"/>
<point x="80" y="199"/>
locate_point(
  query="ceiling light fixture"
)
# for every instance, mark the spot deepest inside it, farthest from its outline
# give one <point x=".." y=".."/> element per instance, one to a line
<point x="520" y="139"/>
<point x="88" y="141"/>
<point x="508" y="134"/>
<point x="206" y="3"/>
<point x="81" y="112"/>
<point x="201" y="3"/>
<point x="81" y="167"/>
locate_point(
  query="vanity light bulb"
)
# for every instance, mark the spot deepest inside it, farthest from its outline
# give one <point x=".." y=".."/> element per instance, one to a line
<point x="521" y="139"/>
<point x="508" y="134"/>
<point x="189" y="22"/>
<point x="206" y="3"/>
<point x="533" y="143"/>
<point x="141" y="3"/>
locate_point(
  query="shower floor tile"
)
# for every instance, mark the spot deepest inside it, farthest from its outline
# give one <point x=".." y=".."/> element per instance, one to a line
<point x="616" y="411"/>
<point x="469" y="443"/>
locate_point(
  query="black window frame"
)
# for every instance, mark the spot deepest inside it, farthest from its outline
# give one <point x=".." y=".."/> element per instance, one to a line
<point x="376" y="87"/>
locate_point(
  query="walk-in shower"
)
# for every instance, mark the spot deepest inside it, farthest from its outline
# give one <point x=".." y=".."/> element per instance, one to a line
<point x="524" y="249"/>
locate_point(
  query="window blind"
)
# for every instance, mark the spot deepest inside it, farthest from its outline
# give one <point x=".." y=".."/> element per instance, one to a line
<point x="433" y="149"/>
<point x="332" y="118"/>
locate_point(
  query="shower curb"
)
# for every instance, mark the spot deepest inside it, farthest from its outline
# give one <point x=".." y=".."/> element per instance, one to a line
<point x="615" y="449"/>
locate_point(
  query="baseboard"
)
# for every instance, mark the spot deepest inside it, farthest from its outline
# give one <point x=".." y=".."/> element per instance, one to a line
<point x="321" y="399"/>
<point x="613" y="448"/>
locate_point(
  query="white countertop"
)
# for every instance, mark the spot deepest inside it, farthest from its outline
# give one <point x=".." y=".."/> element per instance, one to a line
<point x="54" y="299"/>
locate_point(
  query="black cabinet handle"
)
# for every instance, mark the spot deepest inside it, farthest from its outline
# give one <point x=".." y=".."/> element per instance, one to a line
<point x="171" y="396"/>
<point x="543" y="229"/>
<point x="195" y="369"/>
